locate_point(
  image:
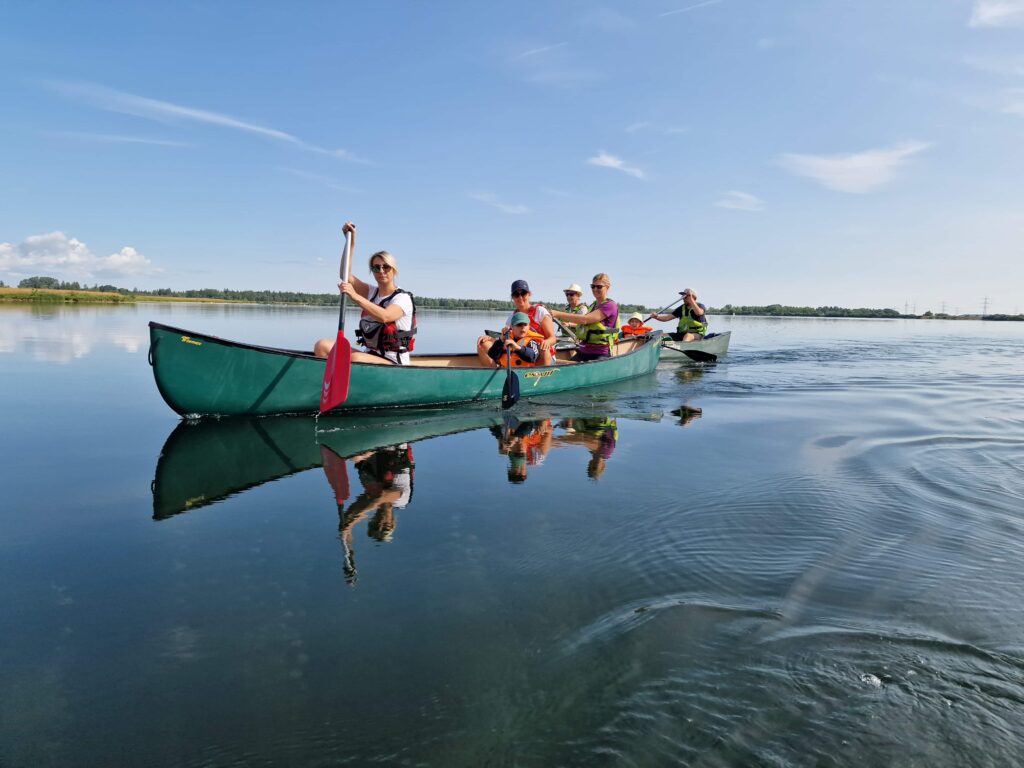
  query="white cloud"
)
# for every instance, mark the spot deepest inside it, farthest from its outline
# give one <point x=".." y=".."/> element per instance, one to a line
<point x="741" y="201"/>
<point x="327" y="181"/>
<point x="541" y="49"/>
<point x="693" y="7"/>
<point x="603" y="160"/>
<point x="102" y="97"/>
<point x="106" y="138"/>
<point x="1014" y="102"/>
<point x="1008" y="66"/>
<point x="58" y="255"/>
<point x="489" y="198"/>
<point x="997" y="13"/>
<point x="856" y="173"/>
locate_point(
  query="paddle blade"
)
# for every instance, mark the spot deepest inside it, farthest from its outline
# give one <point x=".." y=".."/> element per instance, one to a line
<point x="336" y="375"/>
<point x="510" y="392"/>
<point x="336" y="470"/>
<point x="698" y="356"/>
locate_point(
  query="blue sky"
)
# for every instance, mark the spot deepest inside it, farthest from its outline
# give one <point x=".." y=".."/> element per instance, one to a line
<point x="853" y="153"/>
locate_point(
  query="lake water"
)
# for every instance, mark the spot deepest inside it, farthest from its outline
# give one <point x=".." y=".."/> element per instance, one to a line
<point x="824" y="566"/>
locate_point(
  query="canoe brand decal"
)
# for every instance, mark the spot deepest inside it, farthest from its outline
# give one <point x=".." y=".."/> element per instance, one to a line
<point x="190" y="340"/>
<point x="538" y="375"/>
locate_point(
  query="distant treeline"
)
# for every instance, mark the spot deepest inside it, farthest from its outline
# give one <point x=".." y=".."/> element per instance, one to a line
<point x="778" y="310"/>
<point x="426" y="302"/>
<point x="275" y="297"/>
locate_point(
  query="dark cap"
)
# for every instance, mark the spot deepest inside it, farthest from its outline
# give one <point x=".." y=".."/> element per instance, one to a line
<point x="520" y="285"/>
<point x="520" y="318"/>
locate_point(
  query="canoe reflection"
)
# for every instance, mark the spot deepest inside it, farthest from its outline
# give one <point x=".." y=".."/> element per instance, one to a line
<point x="206" y="462"/>
<point x="527" y="443"/>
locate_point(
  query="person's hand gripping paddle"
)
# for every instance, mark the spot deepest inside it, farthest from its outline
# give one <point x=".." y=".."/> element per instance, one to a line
<point x="339" y="361"/>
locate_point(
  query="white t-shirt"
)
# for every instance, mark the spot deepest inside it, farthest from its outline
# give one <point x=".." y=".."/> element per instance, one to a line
<point x="539" y="315"/>
<point x="404" y="323"/>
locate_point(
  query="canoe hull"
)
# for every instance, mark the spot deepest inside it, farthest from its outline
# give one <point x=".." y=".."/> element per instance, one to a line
<point x="200" y="375"/>
<point x="716" y="345"/>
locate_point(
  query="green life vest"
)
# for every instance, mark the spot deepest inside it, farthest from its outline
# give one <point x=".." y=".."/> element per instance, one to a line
<point x="688" y="323"/>
<point x="579" y="331"/>
<point x="598" y="333"/>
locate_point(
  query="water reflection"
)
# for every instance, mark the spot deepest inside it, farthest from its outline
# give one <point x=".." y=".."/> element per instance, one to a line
<point x="687" y="414"/>
<point x="386" y="476"/>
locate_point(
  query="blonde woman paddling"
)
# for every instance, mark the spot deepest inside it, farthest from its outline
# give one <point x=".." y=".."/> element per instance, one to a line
<point x="598" y="329"/>
<point x="387" y="325"/>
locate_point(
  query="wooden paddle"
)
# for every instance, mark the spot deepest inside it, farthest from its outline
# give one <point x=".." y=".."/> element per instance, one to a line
<point x="339" y="362"/>
<point x="510" y="392"/>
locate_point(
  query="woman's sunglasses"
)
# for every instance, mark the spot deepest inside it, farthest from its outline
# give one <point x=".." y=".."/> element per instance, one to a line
<point x="378" y="268"/>
<point x="595" y="286"/>
<point x="517" y="294"/>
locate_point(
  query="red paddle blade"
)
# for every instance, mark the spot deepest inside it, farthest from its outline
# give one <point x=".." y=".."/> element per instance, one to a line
<point x="336" y="374"/>
<point x="337" y="473"/>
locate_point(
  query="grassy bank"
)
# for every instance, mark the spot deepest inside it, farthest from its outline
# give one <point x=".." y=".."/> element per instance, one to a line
<point x="61" y="296"/>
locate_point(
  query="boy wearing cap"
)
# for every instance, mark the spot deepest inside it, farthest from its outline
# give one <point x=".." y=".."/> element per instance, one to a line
<point x="520" y="340"/>
<point x="693" y="319"/>
<point x="539" y="319"/>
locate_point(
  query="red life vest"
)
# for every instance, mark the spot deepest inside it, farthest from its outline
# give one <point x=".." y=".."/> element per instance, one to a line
<point x="628" y="330"/>
<point x="385" y="337"/>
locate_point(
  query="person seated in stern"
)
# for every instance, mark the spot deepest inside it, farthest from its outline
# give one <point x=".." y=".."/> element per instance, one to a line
<point x="635" y="326"/>
<point x="540" y="323"/>
<point x="692" y="315"/>
<point x="521" y="340"/>
<point x="598" y="329"/>
<point x="387" y="324"/>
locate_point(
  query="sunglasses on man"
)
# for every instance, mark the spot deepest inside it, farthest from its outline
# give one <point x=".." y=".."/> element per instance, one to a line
<point x="571" y="293"/>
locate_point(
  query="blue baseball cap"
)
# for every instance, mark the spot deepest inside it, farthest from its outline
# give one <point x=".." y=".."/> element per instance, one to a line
<point x="520" y="285"/>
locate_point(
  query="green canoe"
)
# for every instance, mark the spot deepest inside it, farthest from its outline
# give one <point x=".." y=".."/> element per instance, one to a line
<point x="200" y="375"/>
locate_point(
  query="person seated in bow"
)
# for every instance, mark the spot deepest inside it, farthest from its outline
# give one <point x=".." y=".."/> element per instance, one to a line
<point x="387" y="325"/>
<point x="540" y="322"/>
<point x="598" y="329"/>
<point x="635" y="326"/>
<point x="521" y="344"/>
<point x="692" y="316"/>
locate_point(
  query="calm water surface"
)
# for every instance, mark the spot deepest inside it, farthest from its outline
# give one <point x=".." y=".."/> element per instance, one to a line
<point x="823" y="567"/>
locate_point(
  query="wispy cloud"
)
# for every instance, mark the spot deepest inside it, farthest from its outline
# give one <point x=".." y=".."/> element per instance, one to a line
<point x="607" y="19"/>
<point x="768" y="43"/>
<point x="489" y="198"/>
<point x="64" y="256"/>
<point x="541" y="49"/>
<point x="603" y="160"/>
<point x="102" y="97"/>
<point x="997" y="13"/>
<point x="1007" y="65"/>
<point x="688" y="8"/>
<point x="856" y="173"/>
<point x="1014" y="102"/>
<point x="667" y="130"/>
<point x="326" y="181"/>
<point x="741" y="201"/>
<point x="105" y="138"/>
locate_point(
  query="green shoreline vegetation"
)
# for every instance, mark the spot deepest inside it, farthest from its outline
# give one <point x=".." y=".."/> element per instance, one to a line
<point x="49" y="290"/>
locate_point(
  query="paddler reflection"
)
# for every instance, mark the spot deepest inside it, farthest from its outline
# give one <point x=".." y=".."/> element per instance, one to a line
<point x="386" y="476"/>
<point x="687" y="413"/>
<point x="526" y="443"/>
<point x="597" y="435"/>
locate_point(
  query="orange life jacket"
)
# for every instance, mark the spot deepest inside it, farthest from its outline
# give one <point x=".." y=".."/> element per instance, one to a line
<point x="629" y="330"/>
<point x="518" y="362"/>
